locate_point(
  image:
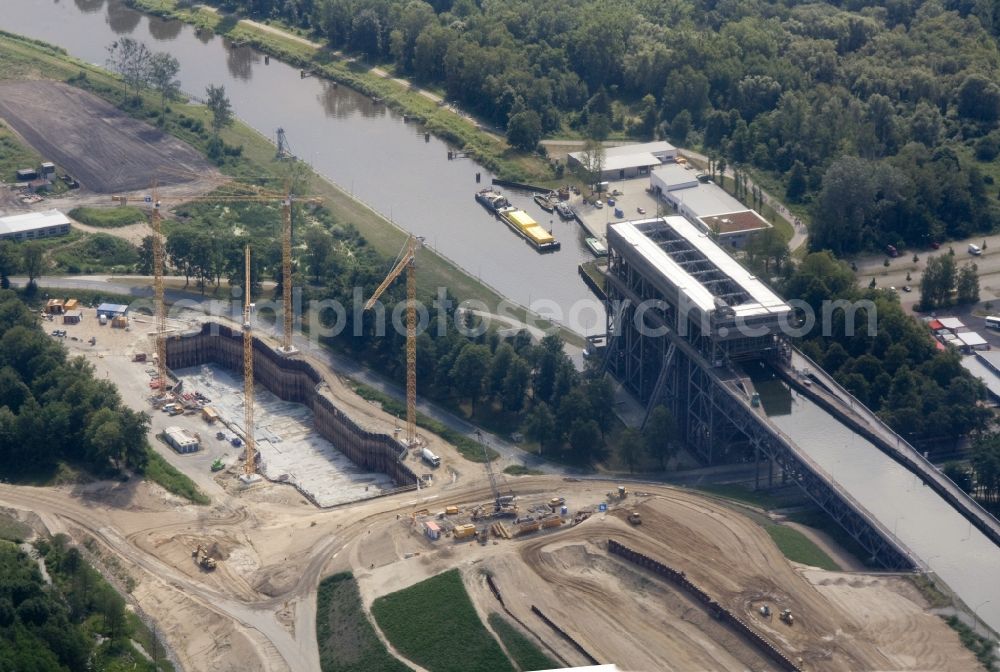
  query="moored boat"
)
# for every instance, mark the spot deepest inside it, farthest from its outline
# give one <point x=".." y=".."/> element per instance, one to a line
<point x="598" y="248"/>
<point x="492" y="200"/>
<point x="545" y="202"/>
<point x="526" y="227"/>
<point x="565" y="212"/>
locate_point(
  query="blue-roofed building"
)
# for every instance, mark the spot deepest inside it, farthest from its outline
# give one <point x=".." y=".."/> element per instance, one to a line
<point x="110" y="310"/>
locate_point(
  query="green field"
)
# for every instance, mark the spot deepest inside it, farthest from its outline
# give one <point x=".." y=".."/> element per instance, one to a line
<point x="95" y="253"/>
<point x="12" y="529"/>
<point x="14" y="155"/>
<point x="160" y="471"/>
<point x="434" y="624"/>
<point x="347" y="640"/>
<point x="799" y="548"/>
<point x="526" y="655"/>
<point x="108" y="218"/>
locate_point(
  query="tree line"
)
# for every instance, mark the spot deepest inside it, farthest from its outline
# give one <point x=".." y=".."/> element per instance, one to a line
<point x="54" y="409"/>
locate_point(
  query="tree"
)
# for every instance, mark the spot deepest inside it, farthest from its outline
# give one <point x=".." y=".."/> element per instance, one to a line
<point x="591" y="162"/>
<point x="145" y="265"/>
<point x="502" y="359"/>
<point x="680" y="127"/>
<point x="938" y="281"/>
<point x="320" y="247"/>
<point x="515" y="385"/>
<point x="631" y="446"/>
<point x="469" y="371"/>
<point x="163" y="69"/>
<point x="797" y="183"/>
<point x="130" y="59"/>
<point x="660" y="435"/>
<point x="218" y="104"/>
<point x="584" y="439"/>
<point x="524" y="130"/>
<point x="540" y="425"/>
<point x="967" y="284"/>
<point x="33" y="260"/>
<point x="10" y="259"/>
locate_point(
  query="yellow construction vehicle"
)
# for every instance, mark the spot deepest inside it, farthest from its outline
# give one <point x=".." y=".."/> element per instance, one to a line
<point x="634" y="517"/>
<point x="786" y="616"/>
<point x="204" y="560"/>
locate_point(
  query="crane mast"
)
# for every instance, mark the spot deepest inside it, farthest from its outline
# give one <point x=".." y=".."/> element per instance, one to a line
<point x="159" y="306"/>
<point x="286" y="271"/>
<point x="250" y="467"/>
<point x="407" y="262"/>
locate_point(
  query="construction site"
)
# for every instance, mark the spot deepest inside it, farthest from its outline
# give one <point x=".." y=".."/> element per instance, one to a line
<point x="306" y="478"/>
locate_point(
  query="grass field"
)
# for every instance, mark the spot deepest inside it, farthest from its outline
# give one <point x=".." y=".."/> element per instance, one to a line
<point x="95" y="253"/>
<point x="347" y="640"/>
<point x="14" y="155"/>
<point x="520" y="470"/>
<point x="526" y="655"/>
<point x="799" y="548"/>
<point x="160" y="471"/>
<point x="108" y="218"/>
<point x="435" y="625"/>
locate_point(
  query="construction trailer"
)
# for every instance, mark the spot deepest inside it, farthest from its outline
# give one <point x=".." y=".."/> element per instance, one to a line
<point x="72" y="317"/>
<point x="181" y="440"/>
<point x="54" y="307"/>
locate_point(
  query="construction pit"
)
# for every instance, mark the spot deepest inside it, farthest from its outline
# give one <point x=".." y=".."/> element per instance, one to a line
<point x="290" y="450"/>
<point x="256" y="609"/>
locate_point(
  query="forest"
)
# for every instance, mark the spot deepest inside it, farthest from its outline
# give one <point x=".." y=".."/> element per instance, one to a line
<point x="53" y="409"/>
<point x="74" y="622"/>
<point x="893" y="104"/>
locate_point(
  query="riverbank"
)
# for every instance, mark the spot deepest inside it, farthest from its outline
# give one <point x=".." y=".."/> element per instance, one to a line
<point x="441" y="120"/>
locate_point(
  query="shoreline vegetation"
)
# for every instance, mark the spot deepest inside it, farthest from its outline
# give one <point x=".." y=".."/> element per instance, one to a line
<point x="467" y="135"/>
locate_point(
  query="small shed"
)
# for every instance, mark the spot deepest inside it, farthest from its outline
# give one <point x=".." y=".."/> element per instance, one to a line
<point x="181" y="440"/>
<point x="54" y="307"/>
<point x="27" y="174"/>
<point x="952" y="324"/>
<point x="71" y="304"/>
<point x="48" y="169"/>
<point x="432" y="530"/>
<point x="209" y="414"/>
<point x="111" y="310"/>
<point x="119" y="322"/>
<point x="72" y="317"/>
<point x="973" y="341"/>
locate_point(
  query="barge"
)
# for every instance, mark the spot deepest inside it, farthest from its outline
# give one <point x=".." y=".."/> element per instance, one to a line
<point x="597" y="248"/>
<point x="492" y="200"/>
<point x="523" y="225"/>
<point x="545" y="202"/>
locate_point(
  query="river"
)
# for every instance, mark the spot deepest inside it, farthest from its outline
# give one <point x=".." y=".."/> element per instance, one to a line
<point x="361" y="146"/>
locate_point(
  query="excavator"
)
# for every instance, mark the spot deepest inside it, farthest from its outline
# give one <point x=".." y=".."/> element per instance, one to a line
<point x="202" y="557"/>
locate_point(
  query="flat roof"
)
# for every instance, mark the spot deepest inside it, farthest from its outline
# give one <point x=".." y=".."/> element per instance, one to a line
<point x="620" y="161"/>
<point x="648" y="147"/>
<point x="951" y="323"/>
<point x="702" y="200"/>
<point x="763" y="301"/>
<point x="31" y="221"/>
<point x="974" y="366"/>
<point x="112" y="308"/>
<point x="971" y="339"/>
<point x="735" y="222"/>
<point x="674" y="175"/>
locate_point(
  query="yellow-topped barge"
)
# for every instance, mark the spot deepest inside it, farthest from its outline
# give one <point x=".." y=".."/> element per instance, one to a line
<point x="526" y="227"/>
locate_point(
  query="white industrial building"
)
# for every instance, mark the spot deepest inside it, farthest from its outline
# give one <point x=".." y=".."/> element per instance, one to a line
<point x="706" y="204"/>
<point x="629" y="161"/>
<point x="181" y="440"/>
<point x="33" y="225"/>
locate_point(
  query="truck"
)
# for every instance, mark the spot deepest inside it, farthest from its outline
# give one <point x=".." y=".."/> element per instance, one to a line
<point x="464" y="531"/>
<point x="430" y="458"/>
<point x="975" y="250"/>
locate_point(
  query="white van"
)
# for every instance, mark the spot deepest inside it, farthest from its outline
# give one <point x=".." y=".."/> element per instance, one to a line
<point x="975" y="250"/>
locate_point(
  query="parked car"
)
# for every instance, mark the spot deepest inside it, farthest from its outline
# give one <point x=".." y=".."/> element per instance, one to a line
<point x="975" y="250"/>
<point x="891" y="251"/>
<point x="907" y="289"/>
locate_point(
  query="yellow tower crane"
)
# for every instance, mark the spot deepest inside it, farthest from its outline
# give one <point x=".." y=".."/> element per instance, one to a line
<point x="243" y="193"/>
<point x="407" y="262"/>
<point x="250" y="465"/>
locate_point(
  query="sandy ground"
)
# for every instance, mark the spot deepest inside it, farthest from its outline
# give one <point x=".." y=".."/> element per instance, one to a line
<point x="100" y="146"/>
<point x="257" y="610"/>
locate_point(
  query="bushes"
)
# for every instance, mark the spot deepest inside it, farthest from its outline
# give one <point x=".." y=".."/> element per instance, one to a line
<point x="160" y="471"/>
<point x="108" y="218"/>
<point x="521" y="649"/>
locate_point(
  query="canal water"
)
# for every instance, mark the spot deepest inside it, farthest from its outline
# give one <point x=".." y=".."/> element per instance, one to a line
<point x="363" y="147"/>
<point x="935" y="532"/>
